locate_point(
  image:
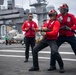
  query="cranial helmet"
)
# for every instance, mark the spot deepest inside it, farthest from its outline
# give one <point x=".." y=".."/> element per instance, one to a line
<point x="52" y="13"/>
<point x="64" y="6"/>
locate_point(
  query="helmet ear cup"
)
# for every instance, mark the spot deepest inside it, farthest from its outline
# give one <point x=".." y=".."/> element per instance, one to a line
<point x="56" y="13"/>
<point x="67" y="9"/>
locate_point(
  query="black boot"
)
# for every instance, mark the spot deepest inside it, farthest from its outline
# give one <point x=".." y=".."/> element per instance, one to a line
<point x="34" y="69"/>
<point x="52" y="68"/>
<point x="26" y="60"/>
<point x="61" y="70"/>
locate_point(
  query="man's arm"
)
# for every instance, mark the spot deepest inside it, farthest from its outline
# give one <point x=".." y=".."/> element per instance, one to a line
<point x="24" y="28"/>
<point x="74" y="23"/>
<point x="55" y="29"/>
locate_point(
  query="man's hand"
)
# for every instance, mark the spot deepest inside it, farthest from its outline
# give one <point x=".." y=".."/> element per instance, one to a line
<point x="26" y="29"/>
<point x="33" y="29"/>
<point x="65" y="28"/>
<point x="68" y="28"/>
<point x="44" y="28"/>
<point x="43" y="33"/>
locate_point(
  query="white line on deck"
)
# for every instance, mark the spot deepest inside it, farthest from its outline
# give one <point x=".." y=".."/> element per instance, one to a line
<point x="47" y="52"/>
<point x="38" y="57"/>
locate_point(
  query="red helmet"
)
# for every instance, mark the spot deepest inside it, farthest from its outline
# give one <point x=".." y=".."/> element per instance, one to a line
<point x="64" y="6"/>
<point x="52" y="12"/>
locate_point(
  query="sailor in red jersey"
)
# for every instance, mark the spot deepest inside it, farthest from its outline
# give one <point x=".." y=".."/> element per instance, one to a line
<point x="51" y="27"/>
<point x="66" y="32"/>
<point x="29" y="27"/>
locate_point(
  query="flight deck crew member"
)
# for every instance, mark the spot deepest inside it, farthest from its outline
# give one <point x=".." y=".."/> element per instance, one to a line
<point x="66" y="32"/>
<point x="49" y="39"/>
<point x="29" y="27"/>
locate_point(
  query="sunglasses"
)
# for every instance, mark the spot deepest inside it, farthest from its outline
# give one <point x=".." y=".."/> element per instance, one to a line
<point x="30" y="16"/>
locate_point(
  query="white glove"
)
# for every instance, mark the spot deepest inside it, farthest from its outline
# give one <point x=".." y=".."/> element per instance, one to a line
<point x="43" y="33"/>
<point x="44" y="28"/>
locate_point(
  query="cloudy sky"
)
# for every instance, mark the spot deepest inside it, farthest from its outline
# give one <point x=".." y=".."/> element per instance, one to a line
<point x="55" y="3"/>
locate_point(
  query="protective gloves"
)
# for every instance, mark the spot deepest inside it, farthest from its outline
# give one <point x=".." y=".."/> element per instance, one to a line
<point x="43" y="33"/>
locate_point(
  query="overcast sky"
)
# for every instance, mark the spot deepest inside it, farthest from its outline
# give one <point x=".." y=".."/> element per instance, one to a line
<point x="55" y="3"/>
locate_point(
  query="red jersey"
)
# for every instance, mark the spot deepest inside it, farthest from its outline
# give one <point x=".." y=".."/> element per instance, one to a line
<point x="30" y="32"/>
<point x="68" y="20"/>
<point x="54" y="27"/>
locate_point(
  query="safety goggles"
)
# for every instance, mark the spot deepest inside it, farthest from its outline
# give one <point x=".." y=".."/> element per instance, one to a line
<point x="50" y="15"/>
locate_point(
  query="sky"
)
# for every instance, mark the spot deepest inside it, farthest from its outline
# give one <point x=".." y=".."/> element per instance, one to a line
<point x="55" y="3"/>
